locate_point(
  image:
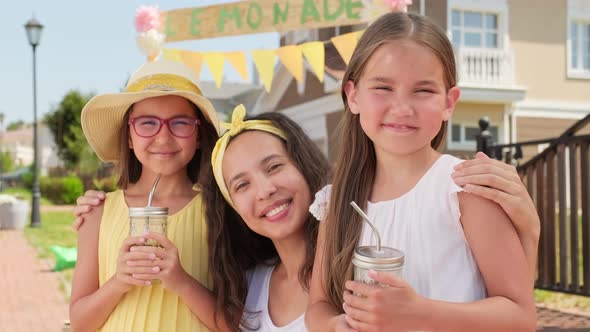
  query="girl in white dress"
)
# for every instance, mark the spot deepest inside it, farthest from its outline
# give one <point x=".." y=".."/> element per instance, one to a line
<point x="465" y="269"/>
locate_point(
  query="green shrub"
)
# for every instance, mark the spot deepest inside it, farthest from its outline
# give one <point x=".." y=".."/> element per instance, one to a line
<point x="63" y="190"/>
<point x="28" y="180"/>
<point x="72" y="189"/>
<point x="50" y="189"/>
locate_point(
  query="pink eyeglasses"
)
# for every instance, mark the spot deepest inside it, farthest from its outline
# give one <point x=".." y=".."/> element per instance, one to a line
<point x="149" y="126"/>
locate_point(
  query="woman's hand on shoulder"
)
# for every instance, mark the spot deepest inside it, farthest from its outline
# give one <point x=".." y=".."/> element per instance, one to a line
<point x="85" y="204"/>
<point x="499" y="182"/>
<point x="396" y="307"/>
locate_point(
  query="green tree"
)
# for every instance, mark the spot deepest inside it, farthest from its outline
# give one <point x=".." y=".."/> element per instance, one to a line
<point x="64" y="124"/>
<point x="6" y="162"/>
<point x="18" y="124"/>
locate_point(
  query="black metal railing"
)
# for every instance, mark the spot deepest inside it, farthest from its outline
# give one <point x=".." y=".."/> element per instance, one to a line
<point x="558" y="180"/>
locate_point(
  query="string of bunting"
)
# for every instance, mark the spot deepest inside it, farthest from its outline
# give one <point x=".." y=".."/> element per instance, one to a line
<point x="150" y="26"/>
<point x="290" y="56"/>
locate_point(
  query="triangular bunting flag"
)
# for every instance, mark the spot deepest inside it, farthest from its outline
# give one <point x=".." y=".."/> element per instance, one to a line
<point x="172" y="54"/>
<point x="264" y="60"/>
<point x="314" y="52"/>
<point x="238" y="61"/>
<point x="359" y="34"/>
<point x="215" y="61"/>
<point x="193" y="60"/>
<point x="292" y="59"/>
<point x="345" y="45"/>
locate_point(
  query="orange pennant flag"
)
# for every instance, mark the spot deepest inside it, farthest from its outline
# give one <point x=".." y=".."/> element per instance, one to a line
<point x="238" y="61"/>
<point x="193" y="60"/>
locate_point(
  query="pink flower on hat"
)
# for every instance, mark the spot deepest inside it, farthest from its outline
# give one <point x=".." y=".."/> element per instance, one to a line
<point x="147" y="18"/>
<point x="398" y="5"/>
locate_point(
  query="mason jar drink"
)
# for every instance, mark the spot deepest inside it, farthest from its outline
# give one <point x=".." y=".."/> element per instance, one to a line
<point x="148" y="219"/>
<point x="369" y="258"/>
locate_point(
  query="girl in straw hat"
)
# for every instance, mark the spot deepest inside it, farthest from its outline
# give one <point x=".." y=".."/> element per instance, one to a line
<point x="160" y="126"/>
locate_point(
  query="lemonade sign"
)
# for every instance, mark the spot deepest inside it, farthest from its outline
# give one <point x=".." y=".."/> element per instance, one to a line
<point x="258" y="16"/>
<point x="155" y="29"/>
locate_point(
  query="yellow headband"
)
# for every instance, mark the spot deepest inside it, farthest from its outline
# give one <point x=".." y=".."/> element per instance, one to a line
<point x="236" y="126"/>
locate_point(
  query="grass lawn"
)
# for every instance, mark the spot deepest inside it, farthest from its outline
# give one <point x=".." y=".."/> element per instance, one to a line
<point x="563" y="301"/>
<point x="55" y="230"/>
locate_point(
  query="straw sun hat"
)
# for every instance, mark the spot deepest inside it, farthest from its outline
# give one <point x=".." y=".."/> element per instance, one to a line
<point x="102" y="116"/>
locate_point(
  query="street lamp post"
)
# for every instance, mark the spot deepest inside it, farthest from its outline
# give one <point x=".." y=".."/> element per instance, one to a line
<point x="34" y="28"/>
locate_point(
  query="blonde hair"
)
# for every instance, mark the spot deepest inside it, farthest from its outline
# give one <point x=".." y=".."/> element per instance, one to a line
<point x="356" y="160"/>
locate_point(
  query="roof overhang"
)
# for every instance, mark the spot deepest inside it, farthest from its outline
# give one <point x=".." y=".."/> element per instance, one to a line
<point x="491" y="94"/>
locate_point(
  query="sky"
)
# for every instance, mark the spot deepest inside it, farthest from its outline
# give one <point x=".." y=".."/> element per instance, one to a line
<point x="88" y="46"/>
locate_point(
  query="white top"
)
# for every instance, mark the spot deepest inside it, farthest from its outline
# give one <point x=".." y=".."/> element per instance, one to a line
<point x="257" y="303"/>
<point x="424" y="223"/>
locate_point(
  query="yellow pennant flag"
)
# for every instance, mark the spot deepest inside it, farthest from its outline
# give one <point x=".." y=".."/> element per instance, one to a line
<point x="264" y="60"/>
<point x="314" y="52"/>
<point x="215" y="62"/>
<point x="345" y="45"/>
<point x="238" y="61"/>
<point x="359" y="34"/>
<point x="193" y="60"/>
<point x="172" y="54"/>
<point x="292" y="59"/>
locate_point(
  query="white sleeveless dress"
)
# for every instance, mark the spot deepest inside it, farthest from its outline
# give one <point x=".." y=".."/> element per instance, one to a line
<point x="425" y="224"/>
<point x="256" y="307"/>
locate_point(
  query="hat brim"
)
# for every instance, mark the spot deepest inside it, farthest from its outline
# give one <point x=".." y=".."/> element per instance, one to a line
<point x="102" y="118"/>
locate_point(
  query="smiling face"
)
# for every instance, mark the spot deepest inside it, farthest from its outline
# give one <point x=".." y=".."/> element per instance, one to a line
<point x="163" y="153"/>
<point x="401" y="97"/>
<point x="268" y="190"/>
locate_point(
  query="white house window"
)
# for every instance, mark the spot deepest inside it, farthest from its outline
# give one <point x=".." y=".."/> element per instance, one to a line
<point x="580" y="46"/>
<point x="474" y="29"/>
<point x="462" y="134"/>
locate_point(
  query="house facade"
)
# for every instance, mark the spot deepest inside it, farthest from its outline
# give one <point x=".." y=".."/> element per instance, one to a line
<point x="19" y="144"/>
<point x="524" y="64"/>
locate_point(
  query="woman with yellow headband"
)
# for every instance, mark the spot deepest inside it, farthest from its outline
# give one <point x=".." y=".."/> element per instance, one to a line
<point x="159" y="127"/>
<point x="262" y="249"/>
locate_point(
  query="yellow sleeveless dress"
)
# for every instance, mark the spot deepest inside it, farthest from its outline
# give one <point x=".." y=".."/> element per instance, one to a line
<point x="153" y="308"/>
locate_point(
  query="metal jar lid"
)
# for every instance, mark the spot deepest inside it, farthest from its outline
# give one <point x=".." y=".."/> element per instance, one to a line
<point x="388" y="258"/>
<point x="148" y="211"/>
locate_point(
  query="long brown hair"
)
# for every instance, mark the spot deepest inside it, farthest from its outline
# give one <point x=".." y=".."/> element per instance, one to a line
<point x="356" y="160"/>
<point x="129" y="167"/>
<point x="235" y="248"/>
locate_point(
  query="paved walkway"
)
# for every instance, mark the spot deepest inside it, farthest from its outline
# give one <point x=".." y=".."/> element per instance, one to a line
<point x="554" y="320"/>
<point x="30" y="299"/>
<point x="52" y="208"/>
